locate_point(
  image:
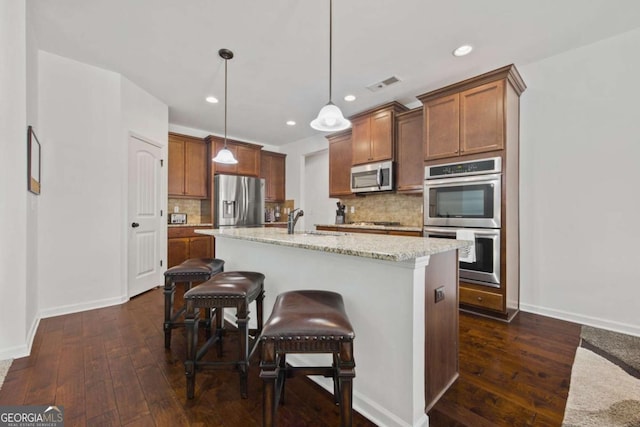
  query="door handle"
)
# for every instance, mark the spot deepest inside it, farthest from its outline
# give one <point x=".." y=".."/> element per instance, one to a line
<point x="135" y="224"/>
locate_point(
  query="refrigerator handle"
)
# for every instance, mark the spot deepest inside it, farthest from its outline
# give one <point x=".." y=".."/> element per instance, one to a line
<point x="245" y="202"/>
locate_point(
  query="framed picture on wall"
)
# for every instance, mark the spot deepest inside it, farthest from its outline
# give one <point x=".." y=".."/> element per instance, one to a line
<point x="33" y="161"/>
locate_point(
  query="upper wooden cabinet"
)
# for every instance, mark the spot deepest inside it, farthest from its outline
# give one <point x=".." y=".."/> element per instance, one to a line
<point x="248" y="156"/>
<point x="469" y="117"/>
<point x="188" y="167"/>
<point x="340" y="164"/>
<point x="410" y="166"/>
<point x="272" y="169"/>
<point x="373" y="134"/>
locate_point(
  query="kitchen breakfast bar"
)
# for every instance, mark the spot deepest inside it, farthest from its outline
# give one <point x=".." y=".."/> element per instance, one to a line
<point x="400" y="293"/>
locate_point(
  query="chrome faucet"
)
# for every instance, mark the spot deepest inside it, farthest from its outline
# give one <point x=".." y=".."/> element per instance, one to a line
<point x="292" y="219"/>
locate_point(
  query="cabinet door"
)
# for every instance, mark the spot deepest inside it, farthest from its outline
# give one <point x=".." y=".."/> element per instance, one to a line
<point x="381" y="136"/>
<point x="340" y="166"/>
<point x="410" y="170"/>
<point x="482" y="118"/>
<point x="248" y="160"/>
<point x="201" y="247"/>
<point x="272" y="171"/>
<point x="177" y="251"/>
<point x="278" y="175"/>
<point x="176" y="167"/>
<point x="196" y="162"/>
<point x="361" y="140"/>
<point x="265" y="173"/>
<point x="442" y="127"/>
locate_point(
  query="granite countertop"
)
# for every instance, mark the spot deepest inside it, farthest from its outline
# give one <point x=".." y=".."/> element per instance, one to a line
<point x="191" y="225"/>
<point x="384" y="247"/>
<point x="370" y="226"/>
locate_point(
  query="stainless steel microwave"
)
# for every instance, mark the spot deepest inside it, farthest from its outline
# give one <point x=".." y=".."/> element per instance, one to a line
<point x="372" y="177"/>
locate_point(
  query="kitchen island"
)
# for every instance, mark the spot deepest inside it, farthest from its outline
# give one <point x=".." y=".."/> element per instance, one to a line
<point x="406" y="343"/>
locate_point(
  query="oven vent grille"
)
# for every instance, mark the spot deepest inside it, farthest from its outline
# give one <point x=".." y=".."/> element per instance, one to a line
<point x="382" y="84"/>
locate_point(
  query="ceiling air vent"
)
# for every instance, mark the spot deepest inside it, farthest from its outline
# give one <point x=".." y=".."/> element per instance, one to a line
<point x="384" y="83"/>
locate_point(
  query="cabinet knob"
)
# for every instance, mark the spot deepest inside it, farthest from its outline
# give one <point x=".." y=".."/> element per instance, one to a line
<point x="480" y="299"/>
<point x="135" y="225"/>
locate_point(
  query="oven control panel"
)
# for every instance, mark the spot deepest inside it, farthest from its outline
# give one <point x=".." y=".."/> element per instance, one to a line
<point x="473" y="167"/>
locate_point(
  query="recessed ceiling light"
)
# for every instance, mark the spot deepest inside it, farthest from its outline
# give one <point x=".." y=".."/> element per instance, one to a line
<point x="463" y="50"/>
<point x="350" y="98"/>
<point x="212" y="99"/>
<point x="291" y="123"/>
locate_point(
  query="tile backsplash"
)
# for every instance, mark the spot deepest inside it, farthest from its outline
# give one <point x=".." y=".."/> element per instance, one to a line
<point x="198" y="211"/>
<point x="393" y="207"/>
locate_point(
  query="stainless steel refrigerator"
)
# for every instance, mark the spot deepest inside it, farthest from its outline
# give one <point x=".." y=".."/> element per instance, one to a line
<point x="238" y="201"/>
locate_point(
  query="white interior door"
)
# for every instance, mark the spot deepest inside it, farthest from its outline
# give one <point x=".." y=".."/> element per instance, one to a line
<point x="145" y="220"/>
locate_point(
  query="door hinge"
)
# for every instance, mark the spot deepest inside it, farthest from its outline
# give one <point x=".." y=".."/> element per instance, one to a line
<point x="160" y="263"/>
<point x="161" y="162"/>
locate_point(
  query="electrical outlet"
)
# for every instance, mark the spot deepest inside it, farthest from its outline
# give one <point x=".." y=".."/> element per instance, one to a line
<point x="439" y="293"/>
<point x="353" y="209"/>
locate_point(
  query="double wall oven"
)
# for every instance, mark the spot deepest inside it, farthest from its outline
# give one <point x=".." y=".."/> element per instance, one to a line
<point x="466" y="196"/>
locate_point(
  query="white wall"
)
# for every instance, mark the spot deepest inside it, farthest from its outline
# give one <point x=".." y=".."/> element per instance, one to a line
<point x="14" y="200"/>
<point x="580" y="157"/>
<point x="318" y="207"/>
<point x="32" y="308"/>
<point x="81" y="201"/>
<point x="86" y="114"/>
<point x="295" y="171"/>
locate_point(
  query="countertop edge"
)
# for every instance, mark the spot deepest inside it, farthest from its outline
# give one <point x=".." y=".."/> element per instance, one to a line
<point x="355" y="244"/>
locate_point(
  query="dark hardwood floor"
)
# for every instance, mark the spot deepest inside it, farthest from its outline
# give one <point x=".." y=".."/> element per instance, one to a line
<point x="109" y="367"/>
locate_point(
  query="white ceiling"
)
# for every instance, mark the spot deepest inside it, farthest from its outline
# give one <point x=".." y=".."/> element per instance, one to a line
<point x="280" y="70"/>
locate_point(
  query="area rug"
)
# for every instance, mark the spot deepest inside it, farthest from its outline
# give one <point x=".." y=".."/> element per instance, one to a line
<point x="605" y="381"/>
<point x="4" y="368"/>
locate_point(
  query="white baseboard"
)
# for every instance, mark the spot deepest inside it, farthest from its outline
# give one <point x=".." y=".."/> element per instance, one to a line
<point x="77" y="308"/>
<point x="596" y="322"/>
<point x="25" y="349"/>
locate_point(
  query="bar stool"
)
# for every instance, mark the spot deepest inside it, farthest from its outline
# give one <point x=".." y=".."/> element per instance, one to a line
<point x="188" y="272"/>
<point x="307" y="321"/>
<point x="229" y="289"/>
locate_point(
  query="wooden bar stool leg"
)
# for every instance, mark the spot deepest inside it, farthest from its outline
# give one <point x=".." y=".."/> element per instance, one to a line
<point x="219" y="328"/>
<point x="346" y="373"/>
<point x="242" y="319"/>
<point x="169" y="292"/>
<point x="191" y="324"/>
<point x="269" y="372"/>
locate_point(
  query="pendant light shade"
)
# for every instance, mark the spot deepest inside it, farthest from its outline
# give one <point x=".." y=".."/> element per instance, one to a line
<point x="225" y="156"/>
<point x="330" y="118"/>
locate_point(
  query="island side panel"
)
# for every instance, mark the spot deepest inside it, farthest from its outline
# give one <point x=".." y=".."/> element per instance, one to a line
<point x="379" y="298"/>
<point x="441" y="326"/>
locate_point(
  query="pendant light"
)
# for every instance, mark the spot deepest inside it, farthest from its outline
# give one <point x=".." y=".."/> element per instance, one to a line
<point x="330" y="118"/>
<point x="225" y="156"/>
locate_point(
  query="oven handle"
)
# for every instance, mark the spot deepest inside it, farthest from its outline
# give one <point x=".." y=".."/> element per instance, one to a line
<point x="452" y="231"/>
<point x="462" y="180"/>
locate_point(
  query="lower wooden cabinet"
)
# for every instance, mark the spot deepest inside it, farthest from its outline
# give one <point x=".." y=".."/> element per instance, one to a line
<point x="482" y="299"/>
<point x="183" y="243"/>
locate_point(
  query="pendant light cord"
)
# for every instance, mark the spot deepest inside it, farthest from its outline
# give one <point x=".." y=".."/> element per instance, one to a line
<point x="225" y="102"/>
<point x="330" y="44"/>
